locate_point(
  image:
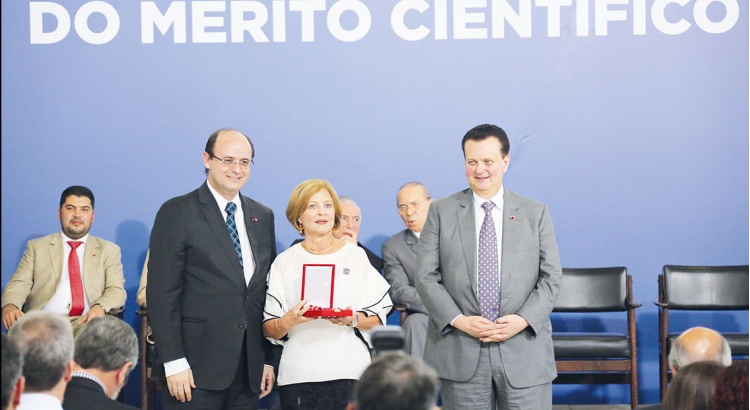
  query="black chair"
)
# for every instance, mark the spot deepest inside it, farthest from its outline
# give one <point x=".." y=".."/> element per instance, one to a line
<point x="597" y="357"/>
<point x="148" y="387"/>
<point x="695" y="288"/>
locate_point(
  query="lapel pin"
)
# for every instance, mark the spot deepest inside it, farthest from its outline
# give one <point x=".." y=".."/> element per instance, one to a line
<point x="513" y="217"/>
<point x="255" y="219"/>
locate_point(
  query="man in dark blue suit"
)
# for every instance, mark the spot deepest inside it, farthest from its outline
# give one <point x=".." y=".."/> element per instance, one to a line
<point x="210" y="252"/>
<point x="106" y="351"/>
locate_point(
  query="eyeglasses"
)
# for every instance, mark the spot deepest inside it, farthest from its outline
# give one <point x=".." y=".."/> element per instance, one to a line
<point x="411" y="205"/>
<point x="228" y="162"/>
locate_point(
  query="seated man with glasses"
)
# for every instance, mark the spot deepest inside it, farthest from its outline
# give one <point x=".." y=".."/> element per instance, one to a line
<point x="400" y="256"/>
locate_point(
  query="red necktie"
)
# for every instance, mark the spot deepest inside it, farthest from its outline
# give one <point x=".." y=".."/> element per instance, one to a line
<point x="76" y="284"/>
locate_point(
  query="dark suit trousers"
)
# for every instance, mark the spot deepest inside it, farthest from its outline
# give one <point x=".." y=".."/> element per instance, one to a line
<point x="237" y="396"/>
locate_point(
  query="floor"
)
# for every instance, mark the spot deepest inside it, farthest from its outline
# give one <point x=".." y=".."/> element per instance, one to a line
<point x="591" y="407"/>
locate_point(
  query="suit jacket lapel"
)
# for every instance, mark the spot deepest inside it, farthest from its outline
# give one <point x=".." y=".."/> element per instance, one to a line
<point x="511" y="233"/>
<point x="216" y="221"/>
<point x="468" y="231"/>
<point x="88" y="276"/>
<point x="411" y="240"/>
<point x="253" y="235"/>
<point x="55" y="249"/>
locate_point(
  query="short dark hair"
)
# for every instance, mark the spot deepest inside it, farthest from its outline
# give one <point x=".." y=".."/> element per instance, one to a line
<point x="106" y="343"/>
<point x="46" y="343"/>
<point x="76" y="190"/>
<point x="397" y="381"/>
<point x="215" y="135"/>
<point x="12" y="366"/>
<point x="693" y="386"/>
<point x="484" y="131"/>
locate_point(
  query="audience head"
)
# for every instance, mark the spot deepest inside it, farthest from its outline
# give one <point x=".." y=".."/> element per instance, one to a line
<point x="732" y="388"/>
<point x="692" y="388"/>
<point x="227" y="159"/>
<point x="76" y="213"/>
<point x="413" y="201"/>
<point x="351" y="216"/>
<point x="396" y="381"/>
<point x="699" y="344"/>
<point x="106" y="344"/>
<point x="46" y="343"/>
<point x="300" y="199"/>
<point x="12" y="380"/>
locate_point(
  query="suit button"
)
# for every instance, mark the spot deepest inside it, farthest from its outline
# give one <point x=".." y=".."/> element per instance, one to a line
<point x="242" y="325"/>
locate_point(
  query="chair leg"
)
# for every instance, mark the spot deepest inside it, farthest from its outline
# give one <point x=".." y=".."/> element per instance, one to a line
<point x="144" y="365"/>
<point x="633" y="389"/>
<point x="663" y="365"/>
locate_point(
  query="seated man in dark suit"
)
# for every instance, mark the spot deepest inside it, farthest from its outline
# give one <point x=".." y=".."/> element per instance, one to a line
<point x="400" y="256"/>
<point x="106" y="350"/>
<point x="396" y="381"/>
<point x="348" y="230"/>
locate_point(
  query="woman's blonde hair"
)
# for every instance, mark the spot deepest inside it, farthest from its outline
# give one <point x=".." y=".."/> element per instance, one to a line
<point x="301" y="196"/>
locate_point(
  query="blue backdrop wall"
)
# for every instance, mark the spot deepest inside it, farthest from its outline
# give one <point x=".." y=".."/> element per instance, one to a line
<point x="629" y="118"/>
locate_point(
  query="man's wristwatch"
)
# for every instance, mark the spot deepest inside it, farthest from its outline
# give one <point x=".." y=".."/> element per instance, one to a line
<point x="355" y="322"/>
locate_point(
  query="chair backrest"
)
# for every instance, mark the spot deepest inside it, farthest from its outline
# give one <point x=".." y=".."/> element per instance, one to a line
<point x="705" y="287"/>
<point x="593" y="290"/>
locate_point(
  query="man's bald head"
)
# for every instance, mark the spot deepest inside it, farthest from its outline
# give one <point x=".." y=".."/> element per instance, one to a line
<point x="699" y="344"/>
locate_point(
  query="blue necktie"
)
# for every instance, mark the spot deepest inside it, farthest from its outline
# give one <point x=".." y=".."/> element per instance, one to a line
<point x="488" y="277"/>
<point x="232" y="228"/>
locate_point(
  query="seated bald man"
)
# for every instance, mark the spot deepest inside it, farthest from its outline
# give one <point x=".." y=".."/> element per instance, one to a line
<point x="699" y="344"/>
<point x="695" y="345"/>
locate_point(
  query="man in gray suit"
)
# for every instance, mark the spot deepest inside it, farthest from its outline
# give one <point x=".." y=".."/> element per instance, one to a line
<point x="400" y="258"/>
<point x="489" y="274"/>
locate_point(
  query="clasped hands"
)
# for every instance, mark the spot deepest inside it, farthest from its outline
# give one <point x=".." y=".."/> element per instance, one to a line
<point x="487" y="331"/>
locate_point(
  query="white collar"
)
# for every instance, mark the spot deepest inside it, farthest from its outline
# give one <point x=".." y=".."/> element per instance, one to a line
<point x="223" y="201"/>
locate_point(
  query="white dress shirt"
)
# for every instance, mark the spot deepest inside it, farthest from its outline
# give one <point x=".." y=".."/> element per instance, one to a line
<point x="62" y="299"/>
<point x="39" y="401"/>
<point x="497" y="218"/>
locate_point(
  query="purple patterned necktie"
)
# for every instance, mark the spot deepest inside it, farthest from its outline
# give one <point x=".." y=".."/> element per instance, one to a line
<point x="489" y="279"/>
